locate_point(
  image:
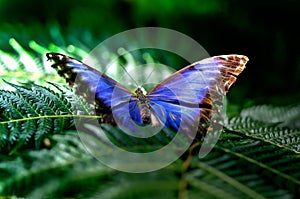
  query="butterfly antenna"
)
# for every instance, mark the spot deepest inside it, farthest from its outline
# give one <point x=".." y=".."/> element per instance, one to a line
<point x="129" y="74"/>
<point x="148" y="77"/>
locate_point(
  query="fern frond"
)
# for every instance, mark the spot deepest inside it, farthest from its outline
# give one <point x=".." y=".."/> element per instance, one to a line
<point x="286" y="116"/>
<point x="244" y="167"/>
<point x="279" y="136"/>
<point x="30" y="113"/>
<point x="275" y="125"/>
<point x="78" y="103"/>
<point x="46" y="166"/>
<point x="62" y="170"/>
<point x="23" y="60"/>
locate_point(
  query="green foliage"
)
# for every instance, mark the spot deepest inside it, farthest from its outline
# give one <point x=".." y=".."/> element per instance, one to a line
<point x="30" y="113"/>
<point x="271" y="124"/>
<point x="45" y="168"/>
<point x="239" y="166"/>
<point x="257" y="155"/>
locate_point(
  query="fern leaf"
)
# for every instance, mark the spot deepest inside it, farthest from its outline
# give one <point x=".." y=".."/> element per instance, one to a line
<point x="279" y="136"/>
<point x="288" y="116"/>
<point x="30" y="113"/>
<point x="78" y="103"/>
<point x="244" y="167"/>
<point x="44" y="126"/>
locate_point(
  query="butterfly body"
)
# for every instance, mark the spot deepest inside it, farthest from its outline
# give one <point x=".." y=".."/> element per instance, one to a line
<point x="179" y="102"/>
<point x="143" y="105"/>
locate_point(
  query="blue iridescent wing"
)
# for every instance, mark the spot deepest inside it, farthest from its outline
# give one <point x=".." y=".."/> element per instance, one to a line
<point x="186" y="96"/>
<point x="95" y="87"/>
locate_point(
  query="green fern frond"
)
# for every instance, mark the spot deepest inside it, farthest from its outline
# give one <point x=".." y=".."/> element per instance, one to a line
<point x="78" y="103"/>
<point x="286" y="116"/>
<point x="62" y="170"/>
<point x="275" y="125"/>
<point x="280" y="165"/>
<point x="30" y="113"/>
<point x="25" y="61"/>
<point x="45" y="166"/>
<point x="279" y="136"/>
<point x="232" y="172"/>
<point x="245" y="168"/>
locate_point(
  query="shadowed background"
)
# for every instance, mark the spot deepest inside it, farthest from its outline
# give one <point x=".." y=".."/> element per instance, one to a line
<point x="265" y="31"/>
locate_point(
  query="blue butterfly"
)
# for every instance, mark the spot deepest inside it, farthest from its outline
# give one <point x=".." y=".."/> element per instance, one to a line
<point x="183" y="101"/>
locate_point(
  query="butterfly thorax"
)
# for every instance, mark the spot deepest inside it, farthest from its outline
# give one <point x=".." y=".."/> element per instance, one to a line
<point x="144" y="106"/>
<point x="141" y="96"/>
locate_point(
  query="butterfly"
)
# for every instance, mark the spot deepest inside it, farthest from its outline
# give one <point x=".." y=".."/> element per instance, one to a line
<point x="184" y="101"/>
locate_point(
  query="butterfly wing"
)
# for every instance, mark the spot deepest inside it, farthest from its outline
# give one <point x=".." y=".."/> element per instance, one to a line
<point x="95" y="87"/>
<point x="186" y="96"/>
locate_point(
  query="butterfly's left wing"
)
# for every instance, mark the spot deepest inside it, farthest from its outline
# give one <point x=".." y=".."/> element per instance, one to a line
<point x="95" y="87"/>
<point x="186" y="96"/>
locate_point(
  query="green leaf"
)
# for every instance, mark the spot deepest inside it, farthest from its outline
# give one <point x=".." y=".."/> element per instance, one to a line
<point x="269" y="125"/>
<point x="31" y="112"/>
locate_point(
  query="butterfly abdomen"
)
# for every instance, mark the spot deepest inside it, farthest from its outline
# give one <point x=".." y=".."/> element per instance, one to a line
<point x="148" y="116"/>
<point x="145" y="113"/>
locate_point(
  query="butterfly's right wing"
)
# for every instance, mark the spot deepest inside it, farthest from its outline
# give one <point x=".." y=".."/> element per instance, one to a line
<point x="186" y="96"/>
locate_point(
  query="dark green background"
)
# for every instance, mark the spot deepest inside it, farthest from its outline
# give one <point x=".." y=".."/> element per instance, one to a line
<point x="266" y="31"/>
